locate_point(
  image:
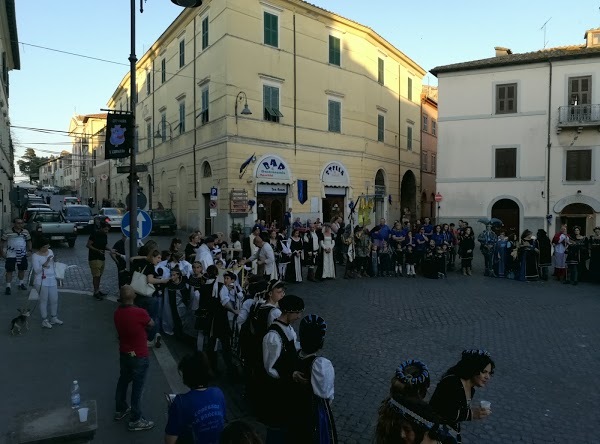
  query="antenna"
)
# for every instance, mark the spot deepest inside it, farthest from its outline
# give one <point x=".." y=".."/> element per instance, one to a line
<point x="544" y="29"/>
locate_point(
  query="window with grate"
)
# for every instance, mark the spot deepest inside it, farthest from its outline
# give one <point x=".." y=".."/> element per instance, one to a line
<point x="579" y="165"/>
<point x="505" y="163"/>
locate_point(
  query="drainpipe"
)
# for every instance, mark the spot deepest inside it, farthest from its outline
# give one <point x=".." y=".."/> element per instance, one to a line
<point x="400" y="138"/>
<point x="151" y="135"/>
<point x="295" y="91"/>
<point x="195" y="117"/>
<point x="421" y="151"/>
<point x="549" y="145"/>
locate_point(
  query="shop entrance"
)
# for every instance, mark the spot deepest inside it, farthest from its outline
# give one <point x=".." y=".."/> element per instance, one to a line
<point x="333" y="206"/>
<point x="271" y="208"/>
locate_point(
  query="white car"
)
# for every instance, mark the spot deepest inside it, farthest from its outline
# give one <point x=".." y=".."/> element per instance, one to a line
<point x="70" y="201"/>
<point x="114" y="216"/>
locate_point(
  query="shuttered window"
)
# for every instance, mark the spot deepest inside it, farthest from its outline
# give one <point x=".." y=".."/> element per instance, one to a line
<point x="205" y="33"/>
<point x="163" y="70"/>
<point x="380" y="70"/>
<point x="506" y="98"/>
<point x="409" y="137"/>
<point x="506" y="163"/>
<point x="335" y="116"/>
<point x="334" y="51"/>
<point x="380" y="128"/>
<point x="579" y="165"/>
<point x="271" y="103"/>
<point x="271" y="29"/>
<point x="181" y="53"/>
<point x="204" y="111"/>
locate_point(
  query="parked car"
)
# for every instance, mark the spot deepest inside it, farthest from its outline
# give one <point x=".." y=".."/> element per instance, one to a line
<point x="51" y="224"/>
<point x="163" y="221"/>
<point x="80" y="215"/>
<point x="113" y="216"/>
<point x="29" y="211"/>
<point x="70" y="200"/>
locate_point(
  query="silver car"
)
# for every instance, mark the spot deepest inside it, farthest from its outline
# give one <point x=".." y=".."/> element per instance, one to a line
<point x="114" y="216"/>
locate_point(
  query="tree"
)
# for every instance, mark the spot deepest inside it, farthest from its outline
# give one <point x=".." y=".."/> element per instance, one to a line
<point x="30" y="164"/>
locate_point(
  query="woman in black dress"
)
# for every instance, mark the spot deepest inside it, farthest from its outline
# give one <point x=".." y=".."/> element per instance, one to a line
<point x="294" y="268"/>
<point x="465" y="250"/>
<point x="190" y="248"/>
<point x="545" y="257"/>
<point x="528" y="257"/>
<point x="576" y="253"/>
<point x="453" y="396"/>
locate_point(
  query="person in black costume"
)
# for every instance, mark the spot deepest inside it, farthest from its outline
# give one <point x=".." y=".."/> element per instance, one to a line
<point x="453" y="396"/>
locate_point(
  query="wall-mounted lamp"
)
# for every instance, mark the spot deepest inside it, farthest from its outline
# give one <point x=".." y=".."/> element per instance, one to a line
<point x="163" y="135"/>
<point x="246" y="111"/>
<point x="578" y="191"/>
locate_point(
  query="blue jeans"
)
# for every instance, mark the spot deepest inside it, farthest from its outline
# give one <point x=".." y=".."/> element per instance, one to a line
<point x="152" y="306"/>
<point x="134" y="370"/>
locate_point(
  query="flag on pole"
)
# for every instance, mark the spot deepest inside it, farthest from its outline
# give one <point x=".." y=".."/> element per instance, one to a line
<point x="245" y="165"/>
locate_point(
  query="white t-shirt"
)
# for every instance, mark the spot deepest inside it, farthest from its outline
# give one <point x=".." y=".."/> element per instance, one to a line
<point x="38" y="261"/>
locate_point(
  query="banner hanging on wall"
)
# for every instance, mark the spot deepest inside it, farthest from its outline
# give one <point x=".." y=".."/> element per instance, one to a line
<point x="302" y="191"/>
<point x="119" y="135"/>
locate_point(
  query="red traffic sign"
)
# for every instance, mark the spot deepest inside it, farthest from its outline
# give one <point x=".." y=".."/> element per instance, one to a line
<point x="438" y="197"/>
<point x="213" y="204"/>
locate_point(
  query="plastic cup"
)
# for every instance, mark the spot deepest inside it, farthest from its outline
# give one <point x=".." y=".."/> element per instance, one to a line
<point x="486" y="405"/>
<point x="83" y="413"/>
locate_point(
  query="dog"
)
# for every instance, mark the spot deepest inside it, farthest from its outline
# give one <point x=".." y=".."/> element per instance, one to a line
<point x="21" y="321"/>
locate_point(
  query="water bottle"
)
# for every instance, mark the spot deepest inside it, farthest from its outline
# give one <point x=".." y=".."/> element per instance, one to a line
<point x="75" y="396"/>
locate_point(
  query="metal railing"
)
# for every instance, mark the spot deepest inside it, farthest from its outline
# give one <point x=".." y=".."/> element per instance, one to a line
<point x="579" y="114"/>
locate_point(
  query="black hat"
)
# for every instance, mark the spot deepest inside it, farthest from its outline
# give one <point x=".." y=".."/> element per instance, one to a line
<point x="291" y="304"/>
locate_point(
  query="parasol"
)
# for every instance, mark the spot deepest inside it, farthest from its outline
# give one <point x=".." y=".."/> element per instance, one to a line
<point x="493" y="221"/>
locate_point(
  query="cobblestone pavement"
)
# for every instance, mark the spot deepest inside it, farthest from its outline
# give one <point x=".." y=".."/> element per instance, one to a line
<point x="544" y="338"/>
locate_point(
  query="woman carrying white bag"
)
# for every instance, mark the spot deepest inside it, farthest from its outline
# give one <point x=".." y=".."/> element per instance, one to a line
<point x="45" y="280"/>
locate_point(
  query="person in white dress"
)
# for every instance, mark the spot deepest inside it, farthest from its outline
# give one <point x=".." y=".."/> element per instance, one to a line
<point x="327" y="244"/>
<point x="204" y="252"/>
<point x="45" y="280"/>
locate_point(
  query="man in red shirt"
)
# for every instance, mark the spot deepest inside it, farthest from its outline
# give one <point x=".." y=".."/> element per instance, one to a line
<point x="131" y="323"/>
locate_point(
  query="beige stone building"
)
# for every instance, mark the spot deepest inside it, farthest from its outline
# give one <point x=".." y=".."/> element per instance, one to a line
<point x="332" y="103"/>
<point x="9" y="53"/>
<point x="429" y="136"/>
<point x="87" y="175"/>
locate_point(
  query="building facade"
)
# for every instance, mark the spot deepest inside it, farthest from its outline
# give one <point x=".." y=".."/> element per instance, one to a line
<point x="276" y="104"/>
<point x="9" y="51"/>
<point x="87" y="168"/>
<point x="519" y="137"/>
<point x="429" y="135"/>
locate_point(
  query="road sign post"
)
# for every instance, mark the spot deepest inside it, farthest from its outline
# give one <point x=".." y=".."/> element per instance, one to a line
<point x="143" y="225"/>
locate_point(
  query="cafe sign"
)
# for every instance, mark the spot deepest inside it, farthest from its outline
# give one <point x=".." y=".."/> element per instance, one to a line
<point x="238" y="202"/>
<point x="335" y="174"/>
<point x="273" y="168"/>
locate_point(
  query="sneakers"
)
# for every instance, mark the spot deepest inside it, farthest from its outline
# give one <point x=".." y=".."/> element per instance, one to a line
<point x="22" y="287"/>
<point x="7" y="291"/>
<point x="120" y="415"/>
<point x="46" y="324"/>
<point x="157" y="340"/>
<point x="56" y="321"/>
<point x="140" y="424"/>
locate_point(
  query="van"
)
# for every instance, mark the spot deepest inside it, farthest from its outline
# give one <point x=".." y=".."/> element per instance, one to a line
<point x="80" y="215"/>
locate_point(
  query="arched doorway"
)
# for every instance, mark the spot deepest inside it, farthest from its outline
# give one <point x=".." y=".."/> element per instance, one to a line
<point x="408" y="193"/>
<point x="577" y="214"/>
<point x="507" y="210"/>
<point x="380" y="193"/>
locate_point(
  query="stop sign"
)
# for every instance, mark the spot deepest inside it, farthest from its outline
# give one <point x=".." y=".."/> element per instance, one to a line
<point x="438" y="197"/>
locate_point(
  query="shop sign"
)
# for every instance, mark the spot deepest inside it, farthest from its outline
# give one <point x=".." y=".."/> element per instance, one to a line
<point x="273" y="167"/>
<point x="271" y="189"/>
<point x="335" y="174"/>
<point x="238" y="202"/>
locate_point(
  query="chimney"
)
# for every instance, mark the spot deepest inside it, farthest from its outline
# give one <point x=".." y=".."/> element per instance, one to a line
<point x="502" y="51"/>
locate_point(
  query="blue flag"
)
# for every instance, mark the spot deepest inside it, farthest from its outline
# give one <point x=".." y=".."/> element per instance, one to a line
<point x="302" y="191"/>
<point x="245" y="164"/>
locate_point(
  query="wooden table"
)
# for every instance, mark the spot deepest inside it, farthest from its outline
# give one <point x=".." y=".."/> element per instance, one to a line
<point x="54" y="425"/>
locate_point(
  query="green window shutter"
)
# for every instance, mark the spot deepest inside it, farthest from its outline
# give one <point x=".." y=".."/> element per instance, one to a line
<point x="181" y="53"/>
<point x="334" y="116"/>
<point x="205" y="33"/>
<point x="380" y="128"/>
<point x="410" y="89"/>
<point x="334" y="51"/>
<point x="163" y="70"/>
<point x="380" y="71"/>
<point x="271" y="22"/>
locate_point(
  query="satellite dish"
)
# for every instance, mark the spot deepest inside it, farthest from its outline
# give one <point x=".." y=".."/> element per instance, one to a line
<point x="92" y="180"/>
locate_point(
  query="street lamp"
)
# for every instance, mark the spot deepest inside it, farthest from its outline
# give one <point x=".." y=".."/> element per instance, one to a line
<point x="246" y="111"/>
<point x="188" y="3"/>
<point x="163" y="136"/>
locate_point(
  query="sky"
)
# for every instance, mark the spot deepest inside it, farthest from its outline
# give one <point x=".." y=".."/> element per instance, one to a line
<point x="52" y="86"/>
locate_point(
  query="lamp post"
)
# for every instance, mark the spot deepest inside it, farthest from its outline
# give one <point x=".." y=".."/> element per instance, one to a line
<point x="162" y="136"/>
<point x="246" y="111"/>
<point x="133" y="100"/>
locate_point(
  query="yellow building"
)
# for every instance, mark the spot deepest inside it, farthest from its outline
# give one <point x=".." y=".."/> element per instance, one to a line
<point x="84" y="174"/>
<point x="332" y="103"/>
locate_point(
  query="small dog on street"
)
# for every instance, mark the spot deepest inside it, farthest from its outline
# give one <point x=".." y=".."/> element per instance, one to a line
<point x="20" y="322"/>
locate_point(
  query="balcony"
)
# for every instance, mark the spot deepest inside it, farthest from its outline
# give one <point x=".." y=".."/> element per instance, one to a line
<point x="578" y="116"/>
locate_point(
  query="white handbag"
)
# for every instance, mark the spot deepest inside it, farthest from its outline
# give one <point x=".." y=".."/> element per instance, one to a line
<point x="139" y="283"/>
<point x="59" y="270"/>
<point x="33" y="295"/>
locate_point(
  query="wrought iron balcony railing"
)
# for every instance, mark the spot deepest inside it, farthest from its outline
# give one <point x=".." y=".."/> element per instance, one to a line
<point x="578" y="115"/>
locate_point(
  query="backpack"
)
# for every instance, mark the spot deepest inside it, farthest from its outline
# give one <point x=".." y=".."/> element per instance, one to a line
<point x="253" y="330"/>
